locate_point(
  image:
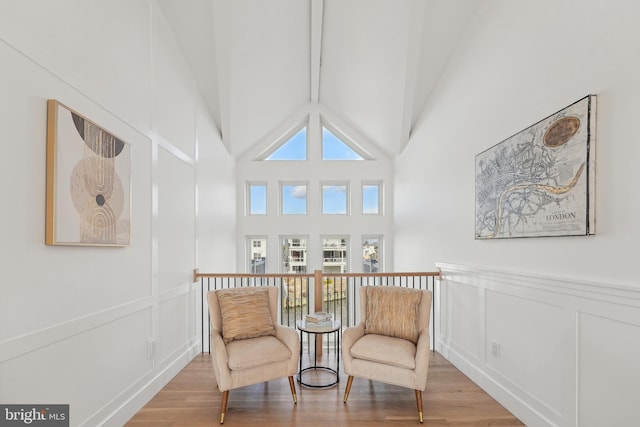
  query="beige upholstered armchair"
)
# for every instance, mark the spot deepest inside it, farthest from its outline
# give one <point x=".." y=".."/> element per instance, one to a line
<point x="248" y="346"/>
<point x="391" y="342"/>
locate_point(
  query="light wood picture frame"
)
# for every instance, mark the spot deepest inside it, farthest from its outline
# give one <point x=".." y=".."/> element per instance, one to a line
<point x="88" y="196"/>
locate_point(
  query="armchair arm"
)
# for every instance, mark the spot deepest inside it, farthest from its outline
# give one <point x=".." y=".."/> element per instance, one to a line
<point x="423" y="353"/>
<point x="220" y="361"/>
<point x="349" y="337"/>
<point x="289" y="337"/>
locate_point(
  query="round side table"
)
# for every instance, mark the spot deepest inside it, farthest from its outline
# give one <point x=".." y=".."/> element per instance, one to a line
<point x="314" y="330"/>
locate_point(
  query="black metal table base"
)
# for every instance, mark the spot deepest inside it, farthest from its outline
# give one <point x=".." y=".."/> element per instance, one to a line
<point x="322" y="368"/>
<point x="315" y="367"/>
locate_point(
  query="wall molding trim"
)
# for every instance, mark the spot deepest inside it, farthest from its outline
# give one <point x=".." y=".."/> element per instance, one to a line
<point x="32" y="341"/>
<point x="537" y="344"/>
<point x="621" y="294"/>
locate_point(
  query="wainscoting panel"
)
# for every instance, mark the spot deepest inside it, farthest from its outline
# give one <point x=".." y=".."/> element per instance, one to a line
<point x="524" y="332"/>
<point x="73" y="367"/>
<point x="174" y="327"/>
<point x="555" y="352"/>
<point x="608" y="358"/>
<point x="462" y="304"/>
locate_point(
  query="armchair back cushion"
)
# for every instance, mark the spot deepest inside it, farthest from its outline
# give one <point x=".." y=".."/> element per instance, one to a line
<point x="393" y="311"/>
<point x="245" y="313"/>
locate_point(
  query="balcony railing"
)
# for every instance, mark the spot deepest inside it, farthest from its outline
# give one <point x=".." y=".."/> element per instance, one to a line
<point x="300" y="294"/>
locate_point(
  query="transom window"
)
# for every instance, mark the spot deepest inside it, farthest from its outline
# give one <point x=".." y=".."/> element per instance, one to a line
<point x="295" y="148"/>
<point x="335" y="197"/>
<point x="293" y="198"/>
<point x="371" y="200"/>
<point x="256" y="198"/>
<point x="334" y="148"/>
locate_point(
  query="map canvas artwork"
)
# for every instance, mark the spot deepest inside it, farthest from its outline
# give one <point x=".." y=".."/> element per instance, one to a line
<point x="540" y="182"/>
<point x="88" y="182"/>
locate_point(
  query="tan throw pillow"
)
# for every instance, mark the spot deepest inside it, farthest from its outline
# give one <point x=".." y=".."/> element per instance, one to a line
<point x="245" y="313"/>
<point x="393" y="311"/>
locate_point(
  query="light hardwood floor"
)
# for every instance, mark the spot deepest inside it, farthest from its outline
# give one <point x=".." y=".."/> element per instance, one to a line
<point x="451" y="399"/>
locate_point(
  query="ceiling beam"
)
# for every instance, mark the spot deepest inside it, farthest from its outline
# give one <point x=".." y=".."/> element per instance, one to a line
<point x="222" y="37"/>
<point x="316" y="49"/>
<point x="411" y="75"/>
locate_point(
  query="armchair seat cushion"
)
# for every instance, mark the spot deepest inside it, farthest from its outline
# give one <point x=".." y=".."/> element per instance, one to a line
<point x="387" y="350"/>
<point x="253" y="352"/>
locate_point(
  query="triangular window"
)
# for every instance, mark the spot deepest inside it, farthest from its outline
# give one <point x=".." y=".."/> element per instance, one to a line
<point x="334" y="148"/>
<point x="295" y="148"/>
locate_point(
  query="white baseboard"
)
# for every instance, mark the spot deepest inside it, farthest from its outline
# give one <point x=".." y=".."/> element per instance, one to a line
<point x="513" y="403"/>
<point x="125" y="406"/>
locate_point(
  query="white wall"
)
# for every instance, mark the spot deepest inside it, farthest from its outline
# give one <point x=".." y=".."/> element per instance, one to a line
<point x="314" y="171"/>
<point x="517" y="64"/>
<point x="75" y="321"/>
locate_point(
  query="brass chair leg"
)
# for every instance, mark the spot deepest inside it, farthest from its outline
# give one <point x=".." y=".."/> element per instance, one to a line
<point x="223" y="409"/>
<point x="348" y="389"/>
<point x="419" y="402"/>
<point x="293" y="390"/>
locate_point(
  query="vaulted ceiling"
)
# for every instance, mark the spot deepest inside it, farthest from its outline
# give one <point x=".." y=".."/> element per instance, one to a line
<point x="373" y="63"/>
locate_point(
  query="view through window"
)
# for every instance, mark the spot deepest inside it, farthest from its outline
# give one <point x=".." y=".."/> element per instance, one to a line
<point x="333" y="148"/>
<point x="257" y="201"/>
<point x="371" y="259"/>
<point x="334" y="199"/>
<point x="294" y="255"/>
<point x="257" y="255"/>
<point x="334" y="255"/>
<point x="294" y="199"/>
<point x="294" y="149"/>
<point x="371" y="198"/>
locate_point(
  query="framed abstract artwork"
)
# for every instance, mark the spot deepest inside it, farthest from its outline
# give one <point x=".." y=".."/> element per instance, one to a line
<point x="88" y="200"/>
<point x="540" y="181"/>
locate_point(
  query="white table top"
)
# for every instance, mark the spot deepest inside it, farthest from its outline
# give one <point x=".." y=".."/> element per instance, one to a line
<point x="313" y="328"/>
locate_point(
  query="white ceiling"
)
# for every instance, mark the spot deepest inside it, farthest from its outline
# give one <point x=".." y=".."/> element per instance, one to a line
<point x="373" y="63"/>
